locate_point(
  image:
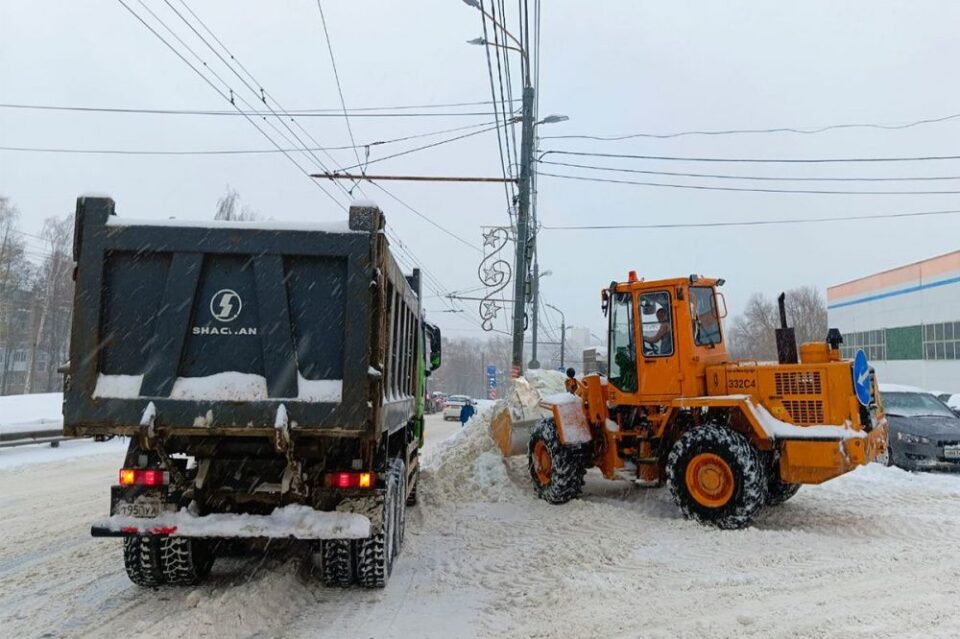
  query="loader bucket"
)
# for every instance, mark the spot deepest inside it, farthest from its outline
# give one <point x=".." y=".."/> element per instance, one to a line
<point x="511" y="436"/>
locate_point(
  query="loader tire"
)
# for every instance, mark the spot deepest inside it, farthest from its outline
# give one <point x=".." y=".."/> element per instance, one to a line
<point x="337" y="568"/>
<point x="185" y="561"/>
<point x="556" y="470"/>
<point x="779" y="491"/>
<point x="375" y="554"/>
<point x="716" y="477"/>
<point x="141" y="558"/>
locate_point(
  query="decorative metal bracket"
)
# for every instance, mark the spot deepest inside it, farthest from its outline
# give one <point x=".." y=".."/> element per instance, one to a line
<point x="494" y="272"/>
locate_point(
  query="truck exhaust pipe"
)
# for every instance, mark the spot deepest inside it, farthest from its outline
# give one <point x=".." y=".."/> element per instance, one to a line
<point x="786" y="336"/>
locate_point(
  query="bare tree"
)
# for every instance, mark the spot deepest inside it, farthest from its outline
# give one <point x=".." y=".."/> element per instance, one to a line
<point x="50" y="286"/>
<point x="230" y="209"/>
<point x="751" y="334"/>
<point x="13" y="270"/>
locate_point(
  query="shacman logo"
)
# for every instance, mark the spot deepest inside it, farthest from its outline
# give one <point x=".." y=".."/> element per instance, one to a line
<point x="225" y="305"/>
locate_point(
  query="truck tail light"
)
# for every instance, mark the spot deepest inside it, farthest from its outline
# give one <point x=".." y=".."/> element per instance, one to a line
<point x="350" y="480"/>
<point x="144" y="477"/>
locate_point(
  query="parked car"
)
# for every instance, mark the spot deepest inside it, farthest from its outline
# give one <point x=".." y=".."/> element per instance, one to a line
<point x="451" y="409"/>
<point x="924" y="433"/>
<point x="951" y="400"/>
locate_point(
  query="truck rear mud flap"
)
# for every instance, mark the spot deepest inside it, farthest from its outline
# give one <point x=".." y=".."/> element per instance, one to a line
<point x="288" y="522"/>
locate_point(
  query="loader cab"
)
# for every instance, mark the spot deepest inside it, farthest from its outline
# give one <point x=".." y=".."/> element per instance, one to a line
<point x="662" y="334"/>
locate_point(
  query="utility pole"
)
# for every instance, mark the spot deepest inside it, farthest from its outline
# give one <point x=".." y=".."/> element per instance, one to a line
<point x="523" y="212"/>
<point x="534" y="362"/>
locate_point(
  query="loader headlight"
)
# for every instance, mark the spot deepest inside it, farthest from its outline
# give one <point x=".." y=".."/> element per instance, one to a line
<point x="910" y="438"/>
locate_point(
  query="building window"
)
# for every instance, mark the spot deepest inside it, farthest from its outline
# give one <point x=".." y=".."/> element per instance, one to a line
<point x="941" y="341"/>
<point x="872" y="343"/>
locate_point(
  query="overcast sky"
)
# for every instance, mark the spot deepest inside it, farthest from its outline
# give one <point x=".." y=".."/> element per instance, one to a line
<point x="612" y="67"/>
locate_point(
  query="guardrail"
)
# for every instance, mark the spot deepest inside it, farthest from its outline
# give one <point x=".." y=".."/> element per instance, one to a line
<point x="24" y="438"/>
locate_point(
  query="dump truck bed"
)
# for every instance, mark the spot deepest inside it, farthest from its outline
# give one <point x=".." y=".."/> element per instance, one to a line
<point x="229" y="328"/>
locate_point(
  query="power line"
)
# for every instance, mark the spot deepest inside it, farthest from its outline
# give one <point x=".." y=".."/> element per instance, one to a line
<point x="336" y="76"/>
<point x="32" y="149"/>
<point x="300" y="113"/>
<point x="262" y="94"/>
<point x="224" y="96"/>
<point x="753" y="177"/>
<point x="429" y="220"/>
<point x="673" y="158"/>
<point x="811" y="220"/>
<point x="507" y="191"/>
<point x="420" y="148"/>
<point x="800" y="130"/>
<point x="701" y="187"/>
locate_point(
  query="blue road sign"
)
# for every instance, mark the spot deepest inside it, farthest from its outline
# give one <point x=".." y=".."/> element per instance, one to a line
<point x="861" y="378"/>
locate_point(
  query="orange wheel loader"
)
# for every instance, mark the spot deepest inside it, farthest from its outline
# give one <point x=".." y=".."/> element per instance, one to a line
<point x="726" y="437"/>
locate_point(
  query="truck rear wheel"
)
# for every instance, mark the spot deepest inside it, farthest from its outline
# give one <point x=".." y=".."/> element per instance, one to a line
<point x="185" y="561"/>
<point x="557" y="470"/>
<point x="337" y="568"/>
<point x="716" y="477"/>
<point x="375" y="554"/>
<point x="141" y="558"/>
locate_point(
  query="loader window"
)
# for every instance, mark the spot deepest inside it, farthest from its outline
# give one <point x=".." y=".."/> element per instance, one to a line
<point x="706" y="321"/>
<point x="623" y="351"/>
<point x="657" y="324"/>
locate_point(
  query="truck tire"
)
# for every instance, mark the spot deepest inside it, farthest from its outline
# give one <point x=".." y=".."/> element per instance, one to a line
<point x="779" y="491"/>
<point x="556" y="470"/>
<point x="337" y="568"/>
<point x="400" y="508"/>
<point x="375" y="554"/>
<point x="415" y="480"/>
<point x="716" y="477"/>
<point x="141" y="558"/>
<point x="185" y="561"/>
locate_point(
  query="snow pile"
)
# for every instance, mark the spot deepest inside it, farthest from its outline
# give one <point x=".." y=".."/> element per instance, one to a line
<point x="27" y="413"/>
<point x="468" y="466"/>
<point x="295" y="520"/>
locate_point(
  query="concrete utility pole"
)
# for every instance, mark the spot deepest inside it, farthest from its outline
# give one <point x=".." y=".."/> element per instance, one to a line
<point x="534" y="362"/>
<point x="521" y="267"/>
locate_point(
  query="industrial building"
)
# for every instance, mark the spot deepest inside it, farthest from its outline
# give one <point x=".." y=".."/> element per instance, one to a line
<point x="906" y="320"/>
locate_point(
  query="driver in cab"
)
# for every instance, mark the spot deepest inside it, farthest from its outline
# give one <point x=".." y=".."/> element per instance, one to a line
<point x="662" y="341"/>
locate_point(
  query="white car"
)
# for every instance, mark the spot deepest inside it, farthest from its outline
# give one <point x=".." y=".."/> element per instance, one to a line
<point x="451" y="409"/>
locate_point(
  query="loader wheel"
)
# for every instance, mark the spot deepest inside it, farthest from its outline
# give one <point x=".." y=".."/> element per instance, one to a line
<point x="716" y="477"/>
<point x="779" y="491"/>
<point x="141" y="558"/>
<point x="375" y="554"/>
<point x="557" y="470"/>
<point x="337" y="569"/>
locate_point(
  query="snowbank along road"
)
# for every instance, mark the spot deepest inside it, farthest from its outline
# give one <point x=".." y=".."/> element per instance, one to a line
<point x="872" y="554"/>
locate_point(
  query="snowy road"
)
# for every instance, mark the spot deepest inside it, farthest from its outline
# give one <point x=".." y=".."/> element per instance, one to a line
<point x="873" y="554"/>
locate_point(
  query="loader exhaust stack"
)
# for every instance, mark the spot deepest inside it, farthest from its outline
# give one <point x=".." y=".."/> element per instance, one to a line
<point x="786" y="336"/>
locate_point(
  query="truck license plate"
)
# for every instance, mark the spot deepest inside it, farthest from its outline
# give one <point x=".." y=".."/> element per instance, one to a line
<point x="951" y="452"/>
<point x="144" y="508"/>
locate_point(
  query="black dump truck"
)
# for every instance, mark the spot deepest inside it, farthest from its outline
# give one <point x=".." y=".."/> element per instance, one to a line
<point x="270" y="378"/>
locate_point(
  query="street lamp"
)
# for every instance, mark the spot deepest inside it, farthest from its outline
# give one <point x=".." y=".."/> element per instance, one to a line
<point x="563" y="331"/>
<point x="534" y="362"/>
